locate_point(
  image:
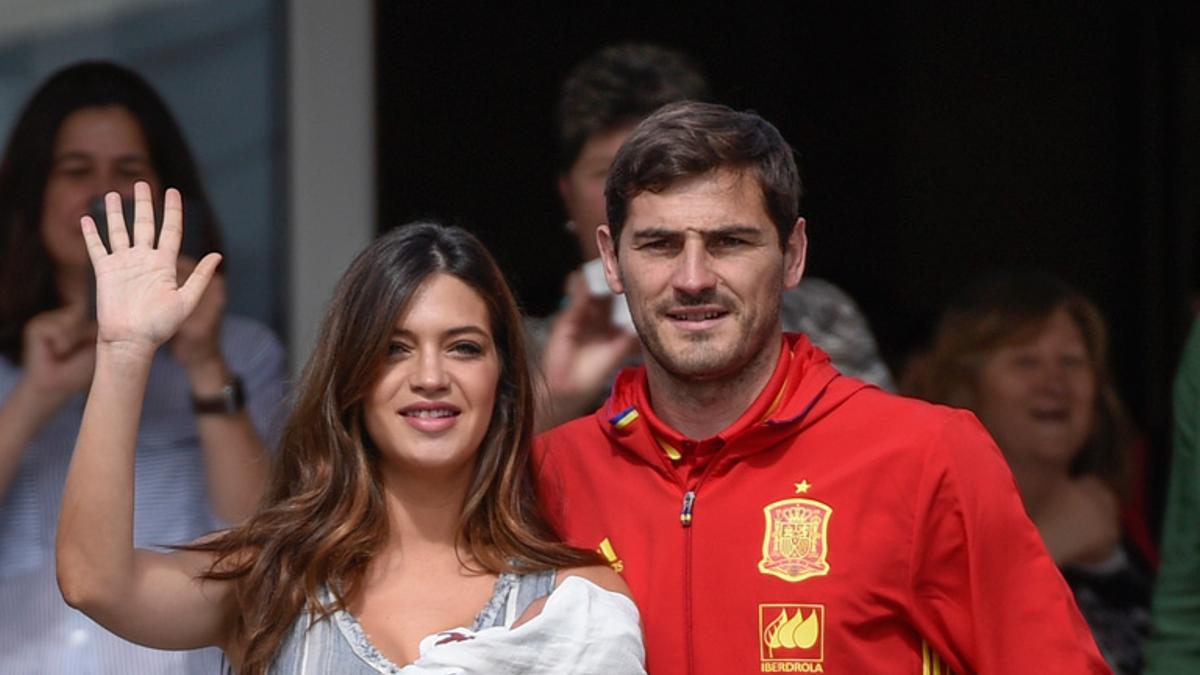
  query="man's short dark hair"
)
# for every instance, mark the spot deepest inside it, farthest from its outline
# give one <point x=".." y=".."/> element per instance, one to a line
<point x="689" y="139"/>
<point x="619" y="86"/>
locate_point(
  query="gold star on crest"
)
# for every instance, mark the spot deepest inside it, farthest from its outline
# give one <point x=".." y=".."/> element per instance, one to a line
<point x="803" y="486"/>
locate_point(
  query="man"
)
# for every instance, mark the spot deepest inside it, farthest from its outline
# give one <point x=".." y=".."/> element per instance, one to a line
<point x="770" y="514"/>
<point x="580" y="348"/>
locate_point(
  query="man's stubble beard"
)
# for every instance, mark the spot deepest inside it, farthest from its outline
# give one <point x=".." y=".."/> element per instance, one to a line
<point x="699" y="360"/>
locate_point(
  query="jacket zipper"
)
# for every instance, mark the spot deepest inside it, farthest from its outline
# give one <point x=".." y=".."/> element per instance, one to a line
<point x="685" y="515"/>
<point x="685" y="520"/>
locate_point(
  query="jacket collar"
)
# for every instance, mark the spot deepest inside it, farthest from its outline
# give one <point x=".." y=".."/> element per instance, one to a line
<point x="797" y="393"/>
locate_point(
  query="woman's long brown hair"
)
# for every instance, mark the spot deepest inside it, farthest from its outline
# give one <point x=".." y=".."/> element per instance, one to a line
<point x="323" y="517"/>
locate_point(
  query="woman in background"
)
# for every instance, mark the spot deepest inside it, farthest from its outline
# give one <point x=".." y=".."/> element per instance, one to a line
<point x="401" y="525"/>
<point x="1028" y="355"/>
<point x="202" y="447"/>
<point x="211" y="398"/>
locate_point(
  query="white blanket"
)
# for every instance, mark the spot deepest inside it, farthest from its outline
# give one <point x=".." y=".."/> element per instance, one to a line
<point x="582" y="629"/>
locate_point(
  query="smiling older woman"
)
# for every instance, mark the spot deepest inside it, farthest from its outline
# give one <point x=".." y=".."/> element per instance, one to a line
<point x="1028" y="355"/>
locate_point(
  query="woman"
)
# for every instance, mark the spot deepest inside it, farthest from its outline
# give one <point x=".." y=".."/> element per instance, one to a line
<point x="201" y="456"/>
<point x="402" y="501"/>
<point x="1028" y="355"/>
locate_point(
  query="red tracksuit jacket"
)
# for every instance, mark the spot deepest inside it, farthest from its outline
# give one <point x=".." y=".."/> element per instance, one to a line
<point x="833" y="528"/>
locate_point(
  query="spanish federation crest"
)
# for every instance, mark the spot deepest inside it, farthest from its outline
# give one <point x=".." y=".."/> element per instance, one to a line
<point x="794" y="542"/>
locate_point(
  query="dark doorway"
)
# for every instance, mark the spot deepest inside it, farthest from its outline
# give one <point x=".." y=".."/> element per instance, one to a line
<point x="935" y="145"/>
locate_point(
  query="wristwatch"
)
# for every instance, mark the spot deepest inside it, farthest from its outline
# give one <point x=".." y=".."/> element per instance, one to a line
<point x="231" y="400"/>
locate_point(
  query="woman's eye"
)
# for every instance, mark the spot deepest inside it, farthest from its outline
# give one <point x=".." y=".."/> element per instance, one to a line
<point x="74" y="171"/>
<point x="466" y="349"/>
<point x="1025" y="361"/>
<point x="1075" y="362"/>
<point x="397" y="349"/>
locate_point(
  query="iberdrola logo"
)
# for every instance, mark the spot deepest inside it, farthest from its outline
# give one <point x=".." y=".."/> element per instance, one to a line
<point x="791" y="637"/>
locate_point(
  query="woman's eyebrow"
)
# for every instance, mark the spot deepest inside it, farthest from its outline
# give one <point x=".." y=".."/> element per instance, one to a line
<point x="462" y="330"/>
<point x="72" y="156"/>
<point x="449" y="332"/>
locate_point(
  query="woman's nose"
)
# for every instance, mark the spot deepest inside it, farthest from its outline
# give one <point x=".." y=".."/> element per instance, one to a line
<point x="431" y="372"/>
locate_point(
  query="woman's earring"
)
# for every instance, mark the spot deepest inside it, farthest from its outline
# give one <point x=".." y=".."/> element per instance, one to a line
<point x="570" y="225"/>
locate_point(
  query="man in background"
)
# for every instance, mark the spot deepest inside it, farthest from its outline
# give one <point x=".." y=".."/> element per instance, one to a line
<point x="580" y="348"/>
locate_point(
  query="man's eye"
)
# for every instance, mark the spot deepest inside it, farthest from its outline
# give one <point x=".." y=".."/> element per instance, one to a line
<point x="729" y="242"/>
<point x="656" y="244"/>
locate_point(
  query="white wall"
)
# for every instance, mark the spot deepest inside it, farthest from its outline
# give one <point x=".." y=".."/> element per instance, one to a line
<point x="331" y="138"/>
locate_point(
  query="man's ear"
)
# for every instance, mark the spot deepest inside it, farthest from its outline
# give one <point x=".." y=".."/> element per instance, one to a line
<point x="608" y="255"/>
<point x="794" y="252"/>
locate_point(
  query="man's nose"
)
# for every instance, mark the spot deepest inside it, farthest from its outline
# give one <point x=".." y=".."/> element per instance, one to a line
<point x="693" y="270"/>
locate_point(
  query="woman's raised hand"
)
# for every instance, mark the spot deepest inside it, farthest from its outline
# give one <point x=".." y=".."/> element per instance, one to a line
<point x="146" y="597"/>
<point x="139" y="302"/>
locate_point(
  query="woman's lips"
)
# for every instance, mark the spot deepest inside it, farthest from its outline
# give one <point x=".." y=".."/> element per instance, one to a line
<point x="430" y="417"/>
<point x="1050" y="417"/>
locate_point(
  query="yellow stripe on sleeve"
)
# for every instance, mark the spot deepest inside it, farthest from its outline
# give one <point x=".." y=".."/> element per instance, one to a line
<point x="931" y="661"/>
